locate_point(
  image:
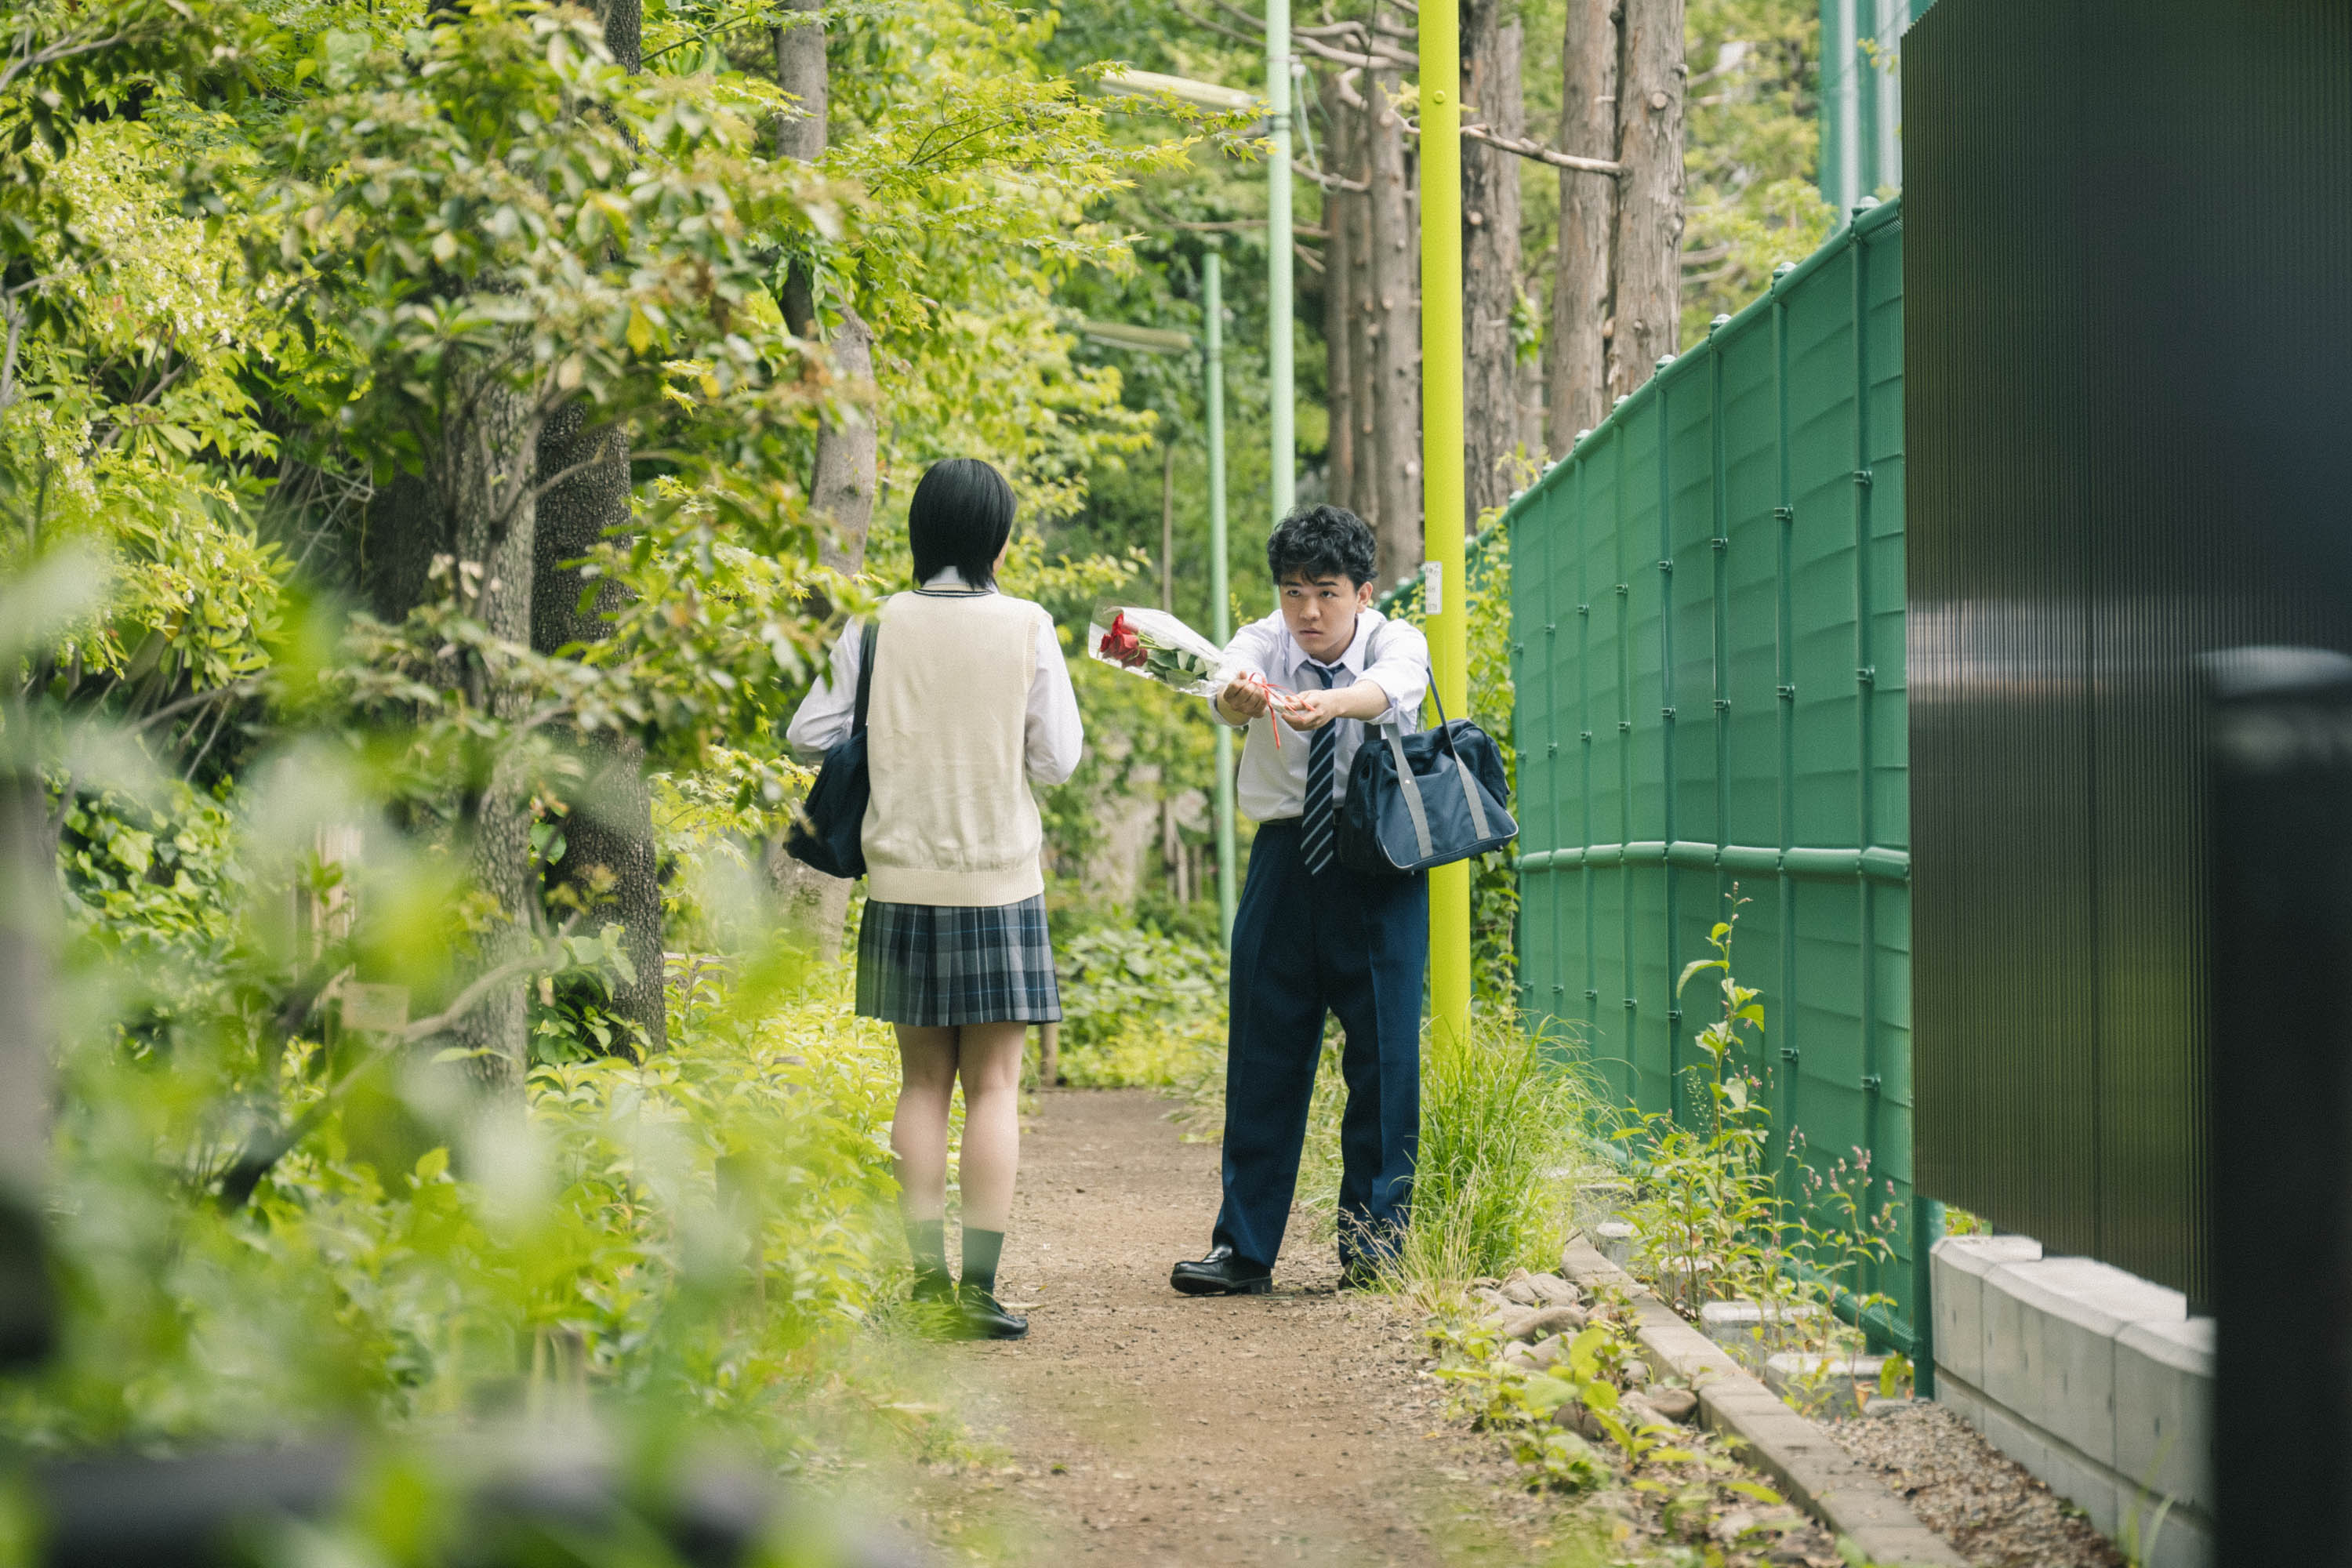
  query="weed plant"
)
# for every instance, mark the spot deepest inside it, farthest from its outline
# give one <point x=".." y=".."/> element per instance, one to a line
<point x="1713" y="1221"/>
<point x="1499" y="1111"/>
<point x="1571" y="1428"/>
<point x="1502" y="1112"/>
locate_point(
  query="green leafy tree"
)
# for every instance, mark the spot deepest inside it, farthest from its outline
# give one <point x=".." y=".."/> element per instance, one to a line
<point x="504" y="227"/>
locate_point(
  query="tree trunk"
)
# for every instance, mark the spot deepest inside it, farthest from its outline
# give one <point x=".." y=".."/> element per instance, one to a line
<point x="1339" y="298"/>
<point x="1650" y="194"/>
<point x="800" y="71"/>
<point x="623" y="22"/>
<point x="473" y="503"/>
<point x="1363" y="308"/>
<point x="482" y="477"/>
<point x="847" y="454"/>
<point x="1395" y="452"/>
<point x="611" y="823"/>
<point x="1492" y="92"/>
<point x="1576" y="348"/>
<point x="401" y="533"/>
<point x="842" y="486"/>
<point x="28" y="906"/>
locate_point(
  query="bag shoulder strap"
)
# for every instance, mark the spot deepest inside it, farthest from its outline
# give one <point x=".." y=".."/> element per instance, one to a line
<point x="1410" y="785"/>
<point x="866" y="640"/>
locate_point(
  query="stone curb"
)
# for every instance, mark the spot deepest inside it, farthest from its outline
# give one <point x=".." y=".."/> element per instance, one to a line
<point x="1815" y="1473"/>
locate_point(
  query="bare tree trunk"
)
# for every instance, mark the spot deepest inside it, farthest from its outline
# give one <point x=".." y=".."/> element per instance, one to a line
<point x="1649" y="195"/>
<point x="1492" y="92"/>
<point x="1576" y="348"/>
<point x="28" y="920"/>
<point x="623" y="22"/>
<point x="842" y="487"/>
<point x="1531" y="400"/>
<point x="1049" y="1055"/>
<point x="473" y="503"/>
<point x="847" y="453"/>
<point x="1339" y="298"/>
<point x="611" y="823"/>
<point x="1395" y="454"/>
<point x="482" y="477"/>
<point x="611" y="820"/>
<point x="1363" y="313"/>
<point x="800" y="71"/>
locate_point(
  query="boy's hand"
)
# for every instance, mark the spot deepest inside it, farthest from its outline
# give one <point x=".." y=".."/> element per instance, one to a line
<point x="1242" y="699"/>
<point x="1313" y="709"/>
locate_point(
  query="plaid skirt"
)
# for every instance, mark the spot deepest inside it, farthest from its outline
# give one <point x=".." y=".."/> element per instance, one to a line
<point x="939" y="965"/>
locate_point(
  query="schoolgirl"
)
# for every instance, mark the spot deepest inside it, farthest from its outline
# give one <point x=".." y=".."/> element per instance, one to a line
<point x="970" y="704"/>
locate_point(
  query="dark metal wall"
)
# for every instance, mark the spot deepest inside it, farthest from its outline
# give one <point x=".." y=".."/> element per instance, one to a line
<point x="2128" y="415"/>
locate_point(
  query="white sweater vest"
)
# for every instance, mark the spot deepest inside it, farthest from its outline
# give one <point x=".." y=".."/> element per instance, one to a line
<point x="952" y="820"/>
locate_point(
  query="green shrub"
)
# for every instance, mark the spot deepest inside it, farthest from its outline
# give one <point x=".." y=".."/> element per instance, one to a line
<point x="1141" y="1009"/>
<point x="707" y="1230"/>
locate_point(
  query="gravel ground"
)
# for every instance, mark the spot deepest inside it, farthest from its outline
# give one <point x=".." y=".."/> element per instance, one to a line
<point x="1968" y="1491"/>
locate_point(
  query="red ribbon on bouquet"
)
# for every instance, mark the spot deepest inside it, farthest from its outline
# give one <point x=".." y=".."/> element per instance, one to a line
<point x="1275" y="697"/>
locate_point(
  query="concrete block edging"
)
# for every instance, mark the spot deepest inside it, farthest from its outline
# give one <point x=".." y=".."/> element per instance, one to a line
<point x="1812" y="1471"/>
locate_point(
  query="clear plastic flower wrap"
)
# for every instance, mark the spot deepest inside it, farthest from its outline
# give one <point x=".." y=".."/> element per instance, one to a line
<point x="1157" y="646"/>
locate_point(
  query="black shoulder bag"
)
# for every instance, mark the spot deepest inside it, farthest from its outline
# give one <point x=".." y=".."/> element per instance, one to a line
<point x="828" y="832"/>
<point x="1424" y="799"/>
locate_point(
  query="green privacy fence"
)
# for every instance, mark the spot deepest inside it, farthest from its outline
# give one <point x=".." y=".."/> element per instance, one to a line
<point x="1708" y="618"/>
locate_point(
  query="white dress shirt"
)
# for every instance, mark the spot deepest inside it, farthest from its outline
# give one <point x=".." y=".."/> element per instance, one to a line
<point x="1270" y="782"/>
<point x="1054" y="736"/>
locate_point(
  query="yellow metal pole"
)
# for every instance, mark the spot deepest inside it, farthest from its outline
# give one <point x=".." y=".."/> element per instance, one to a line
<point x="1441" y="464"/>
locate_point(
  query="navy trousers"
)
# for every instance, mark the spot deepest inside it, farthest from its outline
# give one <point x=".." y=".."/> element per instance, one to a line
<point x="1304" y="945"/>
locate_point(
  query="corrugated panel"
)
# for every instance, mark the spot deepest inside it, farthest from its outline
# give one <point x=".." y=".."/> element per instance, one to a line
<point x="2127" y="401"/>
<point x="1709" y="592"/>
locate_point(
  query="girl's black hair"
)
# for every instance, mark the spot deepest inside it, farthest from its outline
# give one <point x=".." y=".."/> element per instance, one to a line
<point x="1322" y="541"/>
<point x="961" y="517"/>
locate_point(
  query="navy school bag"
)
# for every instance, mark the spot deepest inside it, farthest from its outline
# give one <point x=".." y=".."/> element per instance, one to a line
<point x="828" y="832"/>
<point x="1424" y="799"/>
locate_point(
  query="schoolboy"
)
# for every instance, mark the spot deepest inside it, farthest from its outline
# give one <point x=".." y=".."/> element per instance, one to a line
<point x="1312" y="937"/>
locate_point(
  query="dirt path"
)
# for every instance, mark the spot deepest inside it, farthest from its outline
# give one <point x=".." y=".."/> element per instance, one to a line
<point x="1145" y="1428"/>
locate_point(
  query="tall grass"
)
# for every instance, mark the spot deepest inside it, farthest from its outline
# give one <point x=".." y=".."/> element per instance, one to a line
<point x="1502" y="1112"/>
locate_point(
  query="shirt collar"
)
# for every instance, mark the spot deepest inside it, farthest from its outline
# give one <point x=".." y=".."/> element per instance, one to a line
<point x="1368" y="622"/>
<point x="950" y="579"/>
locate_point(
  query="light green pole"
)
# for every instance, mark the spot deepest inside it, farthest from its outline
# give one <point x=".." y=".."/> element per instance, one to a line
<point x="1221" y="617"/>
<point x="1278" y="373"/>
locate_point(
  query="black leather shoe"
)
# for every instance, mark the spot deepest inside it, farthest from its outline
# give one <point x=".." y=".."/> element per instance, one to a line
<point x="1358" y="1275"/>
<point x="1221" y="1274"/>
<point x="934" y="1288"/>
<point x="984" y="1316"/>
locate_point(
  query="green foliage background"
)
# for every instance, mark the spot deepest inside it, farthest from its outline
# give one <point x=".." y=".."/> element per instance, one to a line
<point x="246" y="252"/>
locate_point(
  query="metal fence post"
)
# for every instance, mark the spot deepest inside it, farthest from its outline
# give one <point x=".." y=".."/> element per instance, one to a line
<point x="2280" y="1076"/>
<point x="1926" y="1229"/>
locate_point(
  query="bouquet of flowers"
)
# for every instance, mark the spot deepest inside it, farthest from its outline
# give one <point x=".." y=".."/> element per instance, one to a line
<point x="1156" y="645"/>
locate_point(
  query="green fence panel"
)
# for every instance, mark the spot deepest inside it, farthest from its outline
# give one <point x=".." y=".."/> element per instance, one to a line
<point x="1707" y="604"/>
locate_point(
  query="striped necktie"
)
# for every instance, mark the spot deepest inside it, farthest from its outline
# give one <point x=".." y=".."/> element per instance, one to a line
<point x="1320" y="820"/>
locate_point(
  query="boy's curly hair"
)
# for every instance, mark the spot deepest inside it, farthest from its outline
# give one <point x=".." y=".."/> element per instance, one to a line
<point x="1322" y="541"/>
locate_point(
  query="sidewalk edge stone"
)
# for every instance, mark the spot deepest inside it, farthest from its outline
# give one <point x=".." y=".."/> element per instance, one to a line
<point x="1817" y="1475"/>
